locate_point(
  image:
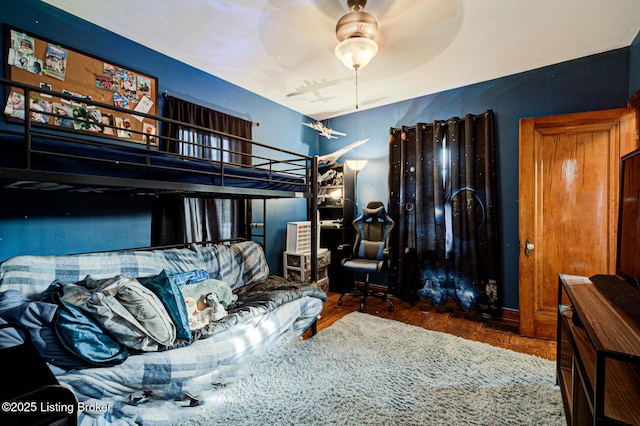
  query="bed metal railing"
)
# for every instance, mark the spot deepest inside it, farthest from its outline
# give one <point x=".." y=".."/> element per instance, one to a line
<point x="274" y="164"/>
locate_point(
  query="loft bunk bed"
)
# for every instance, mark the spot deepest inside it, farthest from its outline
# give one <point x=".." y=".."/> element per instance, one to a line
<point x="41" y="153"/>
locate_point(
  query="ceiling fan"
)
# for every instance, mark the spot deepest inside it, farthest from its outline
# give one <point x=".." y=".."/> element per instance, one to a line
<point x="409" y="33"/>
<point x="356" y="32"/>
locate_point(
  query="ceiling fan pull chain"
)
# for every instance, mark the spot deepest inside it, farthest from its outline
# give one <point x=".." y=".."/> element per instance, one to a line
<point x="356" y="68"/>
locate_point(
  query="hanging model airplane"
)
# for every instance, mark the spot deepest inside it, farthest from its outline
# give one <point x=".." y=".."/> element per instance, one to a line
<point x="325" y="131"/>
<point x="333" y="157"/>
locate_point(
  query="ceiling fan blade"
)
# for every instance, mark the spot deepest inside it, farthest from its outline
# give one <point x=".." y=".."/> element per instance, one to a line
<point x="395" y="12"/>
<point x="439" y="26"/>
<point x="333" y="9"/>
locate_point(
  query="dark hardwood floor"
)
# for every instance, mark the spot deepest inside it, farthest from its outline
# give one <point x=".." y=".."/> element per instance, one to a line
<point x="429" y="318"/>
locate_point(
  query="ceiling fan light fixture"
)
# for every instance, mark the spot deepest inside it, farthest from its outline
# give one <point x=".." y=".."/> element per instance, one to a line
<point x="356" y="52"/>
<point x="355" y="32"/>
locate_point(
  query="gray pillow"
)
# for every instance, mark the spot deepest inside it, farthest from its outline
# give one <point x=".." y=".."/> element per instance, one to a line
<point x="130" y="312"/>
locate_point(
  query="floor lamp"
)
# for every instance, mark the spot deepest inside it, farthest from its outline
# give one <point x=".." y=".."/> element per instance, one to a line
<point x="356" y="166"/>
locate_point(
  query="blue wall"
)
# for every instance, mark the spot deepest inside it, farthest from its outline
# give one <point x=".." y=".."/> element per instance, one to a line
<point x="634" y="66"/>
<point x="592" y="83"/>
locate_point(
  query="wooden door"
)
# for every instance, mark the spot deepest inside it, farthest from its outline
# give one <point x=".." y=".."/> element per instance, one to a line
<point x="568" y="205"/>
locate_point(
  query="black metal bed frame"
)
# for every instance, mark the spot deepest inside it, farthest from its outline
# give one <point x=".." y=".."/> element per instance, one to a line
<point x="271" y="162"/>
<point x="291" y="164"/>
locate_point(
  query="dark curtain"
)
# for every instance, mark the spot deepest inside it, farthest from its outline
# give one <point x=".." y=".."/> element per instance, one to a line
<point x="442" y="195"/>
<point x="186" y="219"/>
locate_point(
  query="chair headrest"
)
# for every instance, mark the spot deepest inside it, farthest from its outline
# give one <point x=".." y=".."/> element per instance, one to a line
<point x="374" y="209"/>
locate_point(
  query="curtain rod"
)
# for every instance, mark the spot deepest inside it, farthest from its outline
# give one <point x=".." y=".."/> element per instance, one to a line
<point x="165" y="95"/>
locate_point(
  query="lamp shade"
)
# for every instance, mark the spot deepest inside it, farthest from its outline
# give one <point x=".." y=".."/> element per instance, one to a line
<point x="356" y="165"/>
<point x="356" y="52"/>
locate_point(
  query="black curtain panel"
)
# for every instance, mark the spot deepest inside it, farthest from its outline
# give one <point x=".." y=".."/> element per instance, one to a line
<point x="442" y="194"/>
<point x="187" y="219"/>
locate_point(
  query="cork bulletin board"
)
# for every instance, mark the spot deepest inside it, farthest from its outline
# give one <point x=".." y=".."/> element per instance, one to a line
<point x="43" y="63"/>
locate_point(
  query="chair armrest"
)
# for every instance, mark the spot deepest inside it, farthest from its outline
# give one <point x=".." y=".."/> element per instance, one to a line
<point x="345" y="250"/>
<point x="387" y="255"/>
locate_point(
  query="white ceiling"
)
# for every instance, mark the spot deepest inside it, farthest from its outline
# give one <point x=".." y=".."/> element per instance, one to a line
<point x="283" y="49"/>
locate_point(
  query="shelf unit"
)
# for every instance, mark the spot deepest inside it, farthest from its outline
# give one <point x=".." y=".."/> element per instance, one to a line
<point x="336" y="195"/>
<point x="336" y="208"/>
<point x="297" y="266"/>
<point x="598" y="358"/>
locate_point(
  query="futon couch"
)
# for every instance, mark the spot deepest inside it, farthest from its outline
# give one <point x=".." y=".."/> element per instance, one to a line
<point x="178" y="347"/>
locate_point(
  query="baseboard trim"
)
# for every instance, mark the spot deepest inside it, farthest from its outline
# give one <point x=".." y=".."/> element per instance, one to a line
<point x="510" y="314"/>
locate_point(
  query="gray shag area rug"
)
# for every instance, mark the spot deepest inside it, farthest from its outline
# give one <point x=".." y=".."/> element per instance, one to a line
<point x="365" y="370"/>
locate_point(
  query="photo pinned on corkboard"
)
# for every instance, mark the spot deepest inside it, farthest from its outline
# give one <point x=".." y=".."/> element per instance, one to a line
<point x="99" y="93"/>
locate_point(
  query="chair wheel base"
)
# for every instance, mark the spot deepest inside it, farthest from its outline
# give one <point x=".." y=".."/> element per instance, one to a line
<point x="364" y="298"/>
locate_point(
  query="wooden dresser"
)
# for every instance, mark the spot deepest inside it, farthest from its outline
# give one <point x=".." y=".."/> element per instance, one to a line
<point x="598" y="361"/>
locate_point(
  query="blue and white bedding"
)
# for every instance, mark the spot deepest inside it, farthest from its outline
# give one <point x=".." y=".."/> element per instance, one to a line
<point x="265" y="310"/>
<point x="236" y="264"/>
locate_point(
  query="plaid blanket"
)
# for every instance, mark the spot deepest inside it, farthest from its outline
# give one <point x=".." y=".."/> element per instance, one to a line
<point x="171" y="374"/>
<point x="236" y="264"/>
<point x="262" y="317"/>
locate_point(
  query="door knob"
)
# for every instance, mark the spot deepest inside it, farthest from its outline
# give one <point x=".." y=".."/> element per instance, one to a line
<point x="528" y="247"/>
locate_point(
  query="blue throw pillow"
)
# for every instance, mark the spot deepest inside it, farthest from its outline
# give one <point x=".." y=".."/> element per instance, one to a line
<point x="80" y="335"/>
<point x="163" y="285"/>
<point x="39" y="318"/>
